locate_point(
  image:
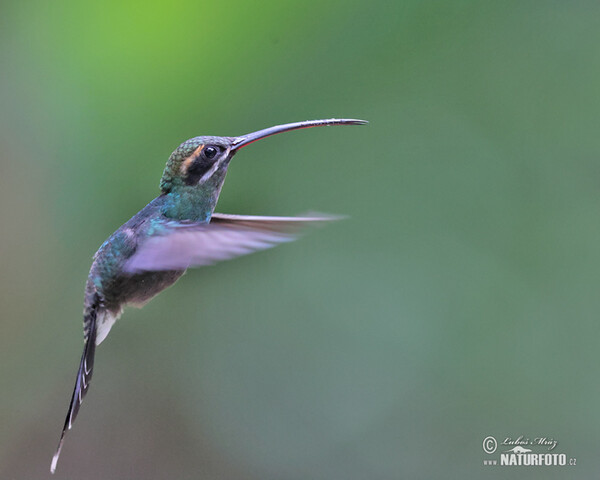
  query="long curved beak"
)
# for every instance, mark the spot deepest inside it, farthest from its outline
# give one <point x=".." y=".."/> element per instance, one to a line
<point x="244" y="140"/>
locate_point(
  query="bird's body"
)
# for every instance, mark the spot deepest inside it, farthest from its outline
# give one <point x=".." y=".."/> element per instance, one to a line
<point x="109" y="288"/>
<point x="175" y="231"/>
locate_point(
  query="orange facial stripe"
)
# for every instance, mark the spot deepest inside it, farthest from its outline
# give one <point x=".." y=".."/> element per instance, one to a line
<point x="188" y="161"/>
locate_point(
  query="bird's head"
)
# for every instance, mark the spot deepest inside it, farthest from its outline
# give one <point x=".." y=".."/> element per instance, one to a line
<point x="199" y="161"/>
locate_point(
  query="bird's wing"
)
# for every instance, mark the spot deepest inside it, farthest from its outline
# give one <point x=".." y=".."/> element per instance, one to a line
<point x="181" y="245"/>
<point x="82" y="382"/>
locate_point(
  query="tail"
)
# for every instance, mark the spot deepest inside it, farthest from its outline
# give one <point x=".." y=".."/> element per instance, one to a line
<point x="82" y="383"/>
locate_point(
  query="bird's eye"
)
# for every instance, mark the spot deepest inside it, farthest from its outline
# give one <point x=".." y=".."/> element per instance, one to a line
<point x="201" y="163"/>
<point x="210" y="152"/>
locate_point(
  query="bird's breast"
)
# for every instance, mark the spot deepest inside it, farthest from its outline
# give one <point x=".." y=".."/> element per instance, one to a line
<point x="139" y="288"/>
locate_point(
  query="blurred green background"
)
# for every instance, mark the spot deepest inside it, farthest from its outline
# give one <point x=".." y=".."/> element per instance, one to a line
<point x="460" y="299"/>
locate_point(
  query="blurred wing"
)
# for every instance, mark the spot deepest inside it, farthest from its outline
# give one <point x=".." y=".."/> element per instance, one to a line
<point x="182" y="244"/>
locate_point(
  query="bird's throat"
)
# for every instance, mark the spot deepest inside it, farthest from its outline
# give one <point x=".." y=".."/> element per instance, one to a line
<point x="190" y="203"/>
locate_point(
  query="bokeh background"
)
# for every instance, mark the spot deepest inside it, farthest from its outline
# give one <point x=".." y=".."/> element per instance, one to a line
<point x="459" y="300"/>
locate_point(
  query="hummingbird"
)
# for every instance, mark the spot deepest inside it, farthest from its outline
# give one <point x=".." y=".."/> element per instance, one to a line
<point x="175" y="231"/>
